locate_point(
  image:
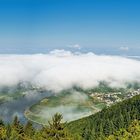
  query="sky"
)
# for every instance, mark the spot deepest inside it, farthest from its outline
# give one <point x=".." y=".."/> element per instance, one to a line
<point x="100" y="26"/>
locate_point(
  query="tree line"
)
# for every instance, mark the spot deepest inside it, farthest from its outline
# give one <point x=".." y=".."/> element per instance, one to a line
<point x="17" y="131"/>
<point x="109" y="120"/>
<point x="112" y="123"/>
<point x="132" y="132"/>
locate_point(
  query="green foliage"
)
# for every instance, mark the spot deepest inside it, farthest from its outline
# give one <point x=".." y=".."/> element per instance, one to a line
<point x="28" y="129"/>
<point x="107" y="121"/>
<point x="2" y="132"/>
<point x="16" y="131"/>
<point x="118" y="122"/>
<point x="56" y="130"/>
<point x="131" y="133"/>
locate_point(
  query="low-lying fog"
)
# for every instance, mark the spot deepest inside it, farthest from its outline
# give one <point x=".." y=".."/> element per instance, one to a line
<point x="61" y="70"/>
<point x="16" y="107"/>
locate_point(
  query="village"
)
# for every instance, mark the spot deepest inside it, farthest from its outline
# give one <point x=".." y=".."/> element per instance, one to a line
<point x="114" y="97"/>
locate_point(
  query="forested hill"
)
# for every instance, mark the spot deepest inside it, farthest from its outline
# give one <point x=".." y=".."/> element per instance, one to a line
<point x="108" y="121"/>
<point x="132" y="132"/>
<point x="120" y="121"/>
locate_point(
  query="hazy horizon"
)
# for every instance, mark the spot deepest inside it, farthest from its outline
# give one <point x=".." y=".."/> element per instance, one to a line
<point x="99" y="26"/>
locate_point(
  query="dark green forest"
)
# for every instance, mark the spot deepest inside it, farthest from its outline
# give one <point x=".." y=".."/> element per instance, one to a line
<point x="107" y="121"/>
<point x="132" y="132"/>
<point x="118" y="122"/>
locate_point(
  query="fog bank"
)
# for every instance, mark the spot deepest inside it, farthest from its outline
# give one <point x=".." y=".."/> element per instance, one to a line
<point x="61" y="70"/>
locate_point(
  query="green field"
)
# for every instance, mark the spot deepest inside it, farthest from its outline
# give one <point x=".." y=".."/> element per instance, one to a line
<point x="72" y="105"/>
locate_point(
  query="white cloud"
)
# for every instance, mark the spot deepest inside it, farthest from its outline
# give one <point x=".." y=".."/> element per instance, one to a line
<point x="61" y="70"/>
<point x="76" y="46"/>
<point x="124" y="48"/>
<point x="60" y="53"/>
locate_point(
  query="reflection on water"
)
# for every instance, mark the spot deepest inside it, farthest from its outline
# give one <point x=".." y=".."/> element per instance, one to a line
<point x="17" y="106"/>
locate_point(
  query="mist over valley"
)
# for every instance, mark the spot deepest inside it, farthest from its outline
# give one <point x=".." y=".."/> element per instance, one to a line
<point x="37" y="86"/>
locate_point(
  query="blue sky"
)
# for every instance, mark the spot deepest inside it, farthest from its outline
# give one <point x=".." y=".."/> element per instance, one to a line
<point x="100" y="26"/>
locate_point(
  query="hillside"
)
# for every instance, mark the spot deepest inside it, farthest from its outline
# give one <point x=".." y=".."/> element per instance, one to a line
<point x="72" y="105"/>
<point x="118" y="121"/>
<point x="77" y="103"/>
<point x="132" y="132"/>
<point x="107" y="121"/>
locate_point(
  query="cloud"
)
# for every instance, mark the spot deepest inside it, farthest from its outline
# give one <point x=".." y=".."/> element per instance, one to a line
<point x="60" y="53"/>
<point x="61" y="70"/>
<point x="76" y="46"/>
<point x="124" y="48"/>
<point x="69" y="112"/>
<point x="14" y="107"/>
<point x="70" y="108"/>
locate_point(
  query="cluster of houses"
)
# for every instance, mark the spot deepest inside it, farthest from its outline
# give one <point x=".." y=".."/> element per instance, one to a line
<point x="111" y="98"/>
<point x="131" y="94"/>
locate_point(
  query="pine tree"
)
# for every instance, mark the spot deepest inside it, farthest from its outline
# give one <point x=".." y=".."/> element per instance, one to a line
<point x="93" y="134"/>
<point x="1" y="123"/>
<point x="107" y="127"/>
<point x="2" y="131"/>
<point x="86" y="133"/>
<point x="17" y="129"/>
<point x="8" y="128"/>
<point x="56" y="130"/>
<point x="28" y="129"/>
